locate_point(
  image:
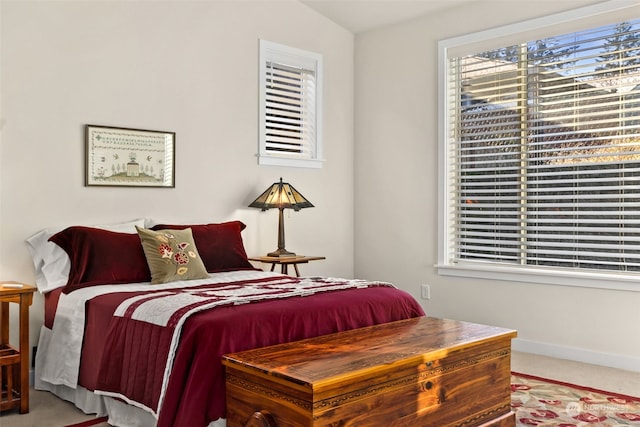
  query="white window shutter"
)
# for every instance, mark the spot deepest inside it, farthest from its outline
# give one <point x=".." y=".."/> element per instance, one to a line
<point x="290" y="106"/>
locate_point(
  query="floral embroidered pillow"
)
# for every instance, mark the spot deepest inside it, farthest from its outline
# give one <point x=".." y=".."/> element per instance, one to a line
<point x="171" y="255"/>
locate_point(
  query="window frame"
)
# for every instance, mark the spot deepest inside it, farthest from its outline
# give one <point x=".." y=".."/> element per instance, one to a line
<point x="279" y="53"/>
<point x="574" y="20"/>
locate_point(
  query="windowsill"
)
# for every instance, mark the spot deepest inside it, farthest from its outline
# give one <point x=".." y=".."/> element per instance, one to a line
<point x="611" y="281"/>
<point x="289" y="162"/>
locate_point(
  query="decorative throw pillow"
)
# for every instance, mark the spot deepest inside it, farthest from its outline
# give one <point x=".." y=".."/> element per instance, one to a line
<point x="171" y="255"/>
<point x="219" y="245"/>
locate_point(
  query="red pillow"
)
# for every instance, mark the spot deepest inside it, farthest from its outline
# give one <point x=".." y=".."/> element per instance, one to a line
<point x="101" y="257"/>
<point x="219" y="245"/>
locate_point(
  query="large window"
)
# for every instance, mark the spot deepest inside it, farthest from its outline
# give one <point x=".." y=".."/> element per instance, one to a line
<point x="542" y="156"/>
<point x="290" y="106"/>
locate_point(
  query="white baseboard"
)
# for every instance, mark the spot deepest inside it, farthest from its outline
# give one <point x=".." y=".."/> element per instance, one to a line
<point x="627" y="363"/>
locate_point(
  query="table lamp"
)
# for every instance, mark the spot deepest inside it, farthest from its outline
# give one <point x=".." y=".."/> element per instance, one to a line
<point x="283" y="196"/>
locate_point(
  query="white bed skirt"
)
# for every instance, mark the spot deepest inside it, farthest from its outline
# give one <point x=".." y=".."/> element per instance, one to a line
<point x="119" y="413"/>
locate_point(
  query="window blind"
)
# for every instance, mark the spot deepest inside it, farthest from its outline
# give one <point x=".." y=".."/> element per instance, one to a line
<point x="544" y="152"/>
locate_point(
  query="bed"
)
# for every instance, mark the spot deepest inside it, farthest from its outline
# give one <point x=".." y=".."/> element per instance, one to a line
<point x="137" y="319"/>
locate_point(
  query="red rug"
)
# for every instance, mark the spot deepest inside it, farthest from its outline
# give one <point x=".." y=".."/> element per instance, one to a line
<point x="90" y="422"/>
<point x="548" y="403"/>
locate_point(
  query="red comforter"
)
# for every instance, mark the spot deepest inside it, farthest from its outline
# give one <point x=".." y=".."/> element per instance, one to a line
<point x="195" y="393"/>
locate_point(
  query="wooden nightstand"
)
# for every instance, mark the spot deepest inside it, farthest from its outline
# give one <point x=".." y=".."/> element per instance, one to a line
<point x="285" y="261"/>
<point x="14" y="363"/>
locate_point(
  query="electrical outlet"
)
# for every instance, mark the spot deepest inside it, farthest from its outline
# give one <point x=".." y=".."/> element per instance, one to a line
<point x="426" y="291"/>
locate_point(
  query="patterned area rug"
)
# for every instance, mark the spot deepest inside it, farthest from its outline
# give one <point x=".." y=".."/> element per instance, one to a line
<point x="548" y="403"/>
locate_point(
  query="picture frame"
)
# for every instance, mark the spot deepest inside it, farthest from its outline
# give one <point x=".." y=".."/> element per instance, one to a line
<point x="126" y="157"/>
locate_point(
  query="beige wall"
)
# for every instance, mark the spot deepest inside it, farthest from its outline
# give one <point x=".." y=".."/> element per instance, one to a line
<point x="191" y="67"/>
<point x="188" y="67"/>
<point x="396" y="198"/>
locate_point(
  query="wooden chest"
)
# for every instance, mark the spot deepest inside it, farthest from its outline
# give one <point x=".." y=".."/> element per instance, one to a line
<point x="417" y="372"/>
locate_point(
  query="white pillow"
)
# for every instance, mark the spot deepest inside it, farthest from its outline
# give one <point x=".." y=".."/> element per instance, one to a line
<point x="51" y="262"/>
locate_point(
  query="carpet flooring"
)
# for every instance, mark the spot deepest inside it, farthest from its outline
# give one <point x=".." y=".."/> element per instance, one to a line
<point x="549" y="403"/>
<point x="47" y="410"/>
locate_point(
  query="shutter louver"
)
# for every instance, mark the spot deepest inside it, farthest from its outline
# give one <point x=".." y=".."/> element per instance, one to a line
<point x="289" y="109"/>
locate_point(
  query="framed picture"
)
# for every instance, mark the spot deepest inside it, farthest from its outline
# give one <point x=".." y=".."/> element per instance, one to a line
<point x="129" y="157"/>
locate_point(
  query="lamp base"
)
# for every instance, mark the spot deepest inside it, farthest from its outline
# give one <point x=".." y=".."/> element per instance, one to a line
<point x="281" y="253"/>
